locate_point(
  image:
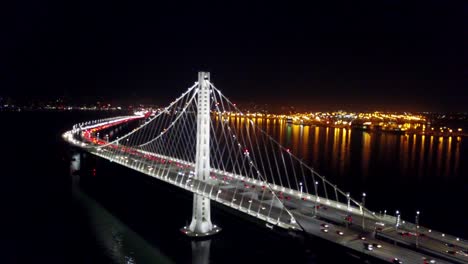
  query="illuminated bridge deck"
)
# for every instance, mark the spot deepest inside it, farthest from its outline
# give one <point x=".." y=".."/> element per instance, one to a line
<point x="316" y="216"/>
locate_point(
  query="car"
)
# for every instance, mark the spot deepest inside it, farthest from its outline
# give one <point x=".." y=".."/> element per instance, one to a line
<point x="427" y="261"/>
<point x="380" y="224"/>
<point x="349" y="218"/>
<point x="322" y="206"/>
<point x="377" y="245"/>
<point x="397" y="261"/>
<point x="369" y="247"/>
<point x="324" y="225"/>
<point x="449" y="245"/>
<point x="340" y="232"/>
<point x="404" y="233"/>
<point x="451" y="252"/>
<point x="324" y="230"/>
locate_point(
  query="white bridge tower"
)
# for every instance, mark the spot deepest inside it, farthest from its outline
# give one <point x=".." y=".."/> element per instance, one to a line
<point x="201" y="216"/>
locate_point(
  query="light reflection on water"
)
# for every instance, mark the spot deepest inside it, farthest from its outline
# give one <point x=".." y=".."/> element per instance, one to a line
<point x="366" y="153"/>
<point x="397" y="171"/>
<point x="415" y="154"/>
<point x="201" y="251"/>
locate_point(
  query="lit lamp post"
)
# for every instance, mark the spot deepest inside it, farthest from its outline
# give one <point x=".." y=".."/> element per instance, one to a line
<point x="316" y="197"/>
<point x="397" y="219"/>
<point x="300" y="183"/>
<point x="349" y="209"/>
<point x="349" y="201"/>
<point x="417" y="228"/>
<point x="362" y="208"/>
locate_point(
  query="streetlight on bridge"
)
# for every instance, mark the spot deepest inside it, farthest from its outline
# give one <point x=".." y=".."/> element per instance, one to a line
<point x="349" y="201"/>
<point x="362" y="208"/>
<point x="316" y="197"/>
<point x="397" y="223"/>
<point x="417" y="228"/>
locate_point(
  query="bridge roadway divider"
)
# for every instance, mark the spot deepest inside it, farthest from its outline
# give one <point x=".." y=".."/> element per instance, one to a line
<point x="351" y="239"/>
<point x="427" y="244"/>
<point x="424" y="249"/>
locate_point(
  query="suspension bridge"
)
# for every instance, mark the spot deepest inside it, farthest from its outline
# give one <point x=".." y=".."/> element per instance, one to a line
<point x="198" y="143"/>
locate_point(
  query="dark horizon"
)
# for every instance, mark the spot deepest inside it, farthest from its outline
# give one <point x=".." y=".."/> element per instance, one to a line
<point x="389" y="55"/>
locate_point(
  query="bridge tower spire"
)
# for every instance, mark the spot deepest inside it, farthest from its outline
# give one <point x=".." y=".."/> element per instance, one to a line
<point x="201" y="215"/>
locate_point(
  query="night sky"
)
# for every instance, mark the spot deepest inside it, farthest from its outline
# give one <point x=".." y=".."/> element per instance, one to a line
<point x="383" y="55"/>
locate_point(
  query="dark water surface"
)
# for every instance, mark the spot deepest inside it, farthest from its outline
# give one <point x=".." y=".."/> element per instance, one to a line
<point x="121" y="216"/>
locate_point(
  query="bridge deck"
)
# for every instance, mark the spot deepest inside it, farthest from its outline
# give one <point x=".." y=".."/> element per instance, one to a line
<point x="291" y="209"/>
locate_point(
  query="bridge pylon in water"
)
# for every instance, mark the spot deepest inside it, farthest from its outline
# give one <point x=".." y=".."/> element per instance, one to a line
<point x="201" y="224"/>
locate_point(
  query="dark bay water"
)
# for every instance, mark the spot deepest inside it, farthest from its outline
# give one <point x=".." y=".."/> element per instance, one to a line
<point x="120" y="216"/>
